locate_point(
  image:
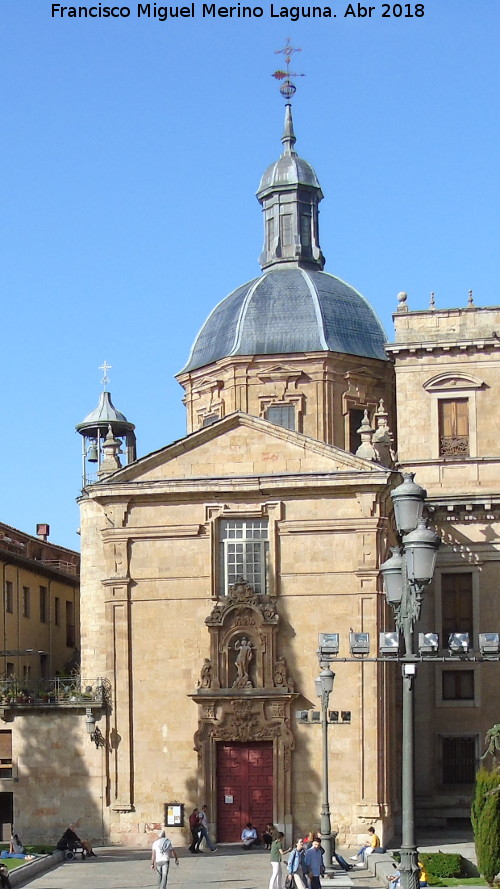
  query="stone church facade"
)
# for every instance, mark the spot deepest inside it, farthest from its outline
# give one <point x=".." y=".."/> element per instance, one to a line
<point x="210" y="566"/>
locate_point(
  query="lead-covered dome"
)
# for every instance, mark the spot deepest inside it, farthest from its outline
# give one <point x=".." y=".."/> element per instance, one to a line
<point x="286" y="311"/>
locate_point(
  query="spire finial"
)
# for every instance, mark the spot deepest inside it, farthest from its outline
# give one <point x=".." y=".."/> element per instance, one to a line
<point x="432" y="301"/>
<point x="470" y="301"/>
<point x="288" y="89"/>
<point x="105" y="379"/>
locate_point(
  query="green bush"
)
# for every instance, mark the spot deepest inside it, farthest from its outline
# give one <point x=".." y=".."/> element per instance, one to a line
<point x="441" y="864"/>
<point x="485" y="817"/>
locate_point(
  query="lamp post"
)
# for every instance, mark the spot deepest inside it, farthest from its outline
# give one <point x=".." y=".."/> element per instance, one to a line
<point x="406" y="574"/>
<point x="324" y="688"/>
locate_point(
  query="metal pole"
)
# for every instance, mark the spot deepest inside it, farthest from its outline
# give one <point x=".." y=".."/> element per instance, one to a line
<point x="326" y="827"/>
<point x="409" y="854"/>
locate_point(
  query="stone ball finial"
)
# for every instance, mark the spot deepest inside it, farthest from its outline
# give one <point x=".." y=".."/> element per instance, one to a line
<point x="402" y="300"/>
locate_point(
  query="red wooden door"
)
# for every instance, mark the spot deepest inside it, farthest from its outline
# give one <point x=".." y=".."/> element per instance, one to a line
<point x="244" y="788"/>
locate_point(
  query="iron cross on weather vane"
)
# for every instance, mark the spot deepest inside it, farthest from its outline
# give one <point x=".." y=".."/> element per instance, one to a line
<point x="288" y="89"/>
<point x="105" y="367"/>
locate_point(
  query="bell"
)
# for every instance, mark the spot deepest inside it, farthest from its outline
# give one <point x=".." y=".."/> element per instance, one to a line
<point x="92" y="456"/>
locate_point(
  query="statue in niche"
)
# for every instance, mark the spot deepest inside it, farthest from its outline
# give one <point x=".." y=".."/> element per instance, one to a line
<point x="205" y="680"/>
<point x="244" y="650"/>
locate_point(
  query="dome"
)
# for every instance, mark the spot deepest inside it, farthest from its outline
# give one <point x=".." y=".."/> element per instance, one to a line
<point x="289" y="310"/>
<point x="289" y="169"/>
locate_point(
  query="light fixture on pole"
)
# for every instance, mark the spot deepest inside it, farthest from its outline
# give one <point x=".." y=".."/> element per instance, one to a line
<point x="324" y="688"/>
<point x="405" y="575"/>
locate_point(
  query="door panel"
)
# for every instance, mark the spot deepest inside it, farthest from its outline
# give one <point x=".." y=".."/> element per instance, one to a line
<point x="245" y="774"/>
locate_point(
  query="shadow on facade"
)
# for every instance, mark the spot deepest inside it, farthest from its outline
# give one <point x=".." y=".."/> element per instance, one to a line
<point x="59" y="777"/>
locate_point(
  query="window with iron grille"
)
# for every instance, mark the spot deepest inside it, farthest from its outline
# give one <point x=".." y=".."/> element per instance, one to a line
<point x="458" y="685"/>
<point x="454" y="427"/>
<point x="458" y="760"/>
<point x="281" y="415"/>
<point x="244" y="547"/>
<point x="456" y="604"/>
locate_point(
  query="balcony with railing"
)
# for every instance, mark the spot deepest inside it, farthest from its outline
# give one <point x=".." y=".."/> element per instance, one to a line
<point x="60" y="692"/>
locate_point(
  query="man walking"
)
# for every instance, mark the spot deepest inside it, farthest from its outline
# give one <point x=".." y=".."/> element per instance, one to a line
<point x="203" y="824"/>
<point x="161" y="853"/>
<point x="313" y="864"/>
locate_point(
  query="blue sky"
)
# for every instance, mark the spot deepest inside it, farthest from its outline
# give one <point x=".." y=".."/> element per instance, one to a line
<point x="132" y="150"/>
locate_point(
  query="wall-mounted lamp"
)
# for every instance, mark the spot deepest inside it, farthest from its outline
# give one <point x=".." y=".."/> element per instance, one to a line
<point x="93" y="730"/>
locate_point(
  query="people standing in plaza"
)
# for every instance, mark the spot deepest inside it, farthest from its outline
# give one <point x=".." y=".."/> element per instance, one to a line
<point x="314" y="867"/>
<point x="161" y="853"/>
<point x="275" y="858"/>
<point x="203" y="825"/>
<point x="295" y="865"/>
<point x="194" y="826"/>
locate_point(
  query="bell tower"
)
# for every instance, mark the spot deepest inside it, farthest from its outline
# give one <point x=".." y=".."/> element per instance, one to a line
<point x="103" y="424"/>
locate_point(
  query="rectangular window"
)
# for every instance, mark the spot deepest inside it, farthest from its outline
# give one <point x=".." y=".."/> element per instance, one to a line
<point x="44" y="611"/>
<point x="270" y="232"/>
<point x="286" y="230"/>
<point x="281" y="415"/>
<point x="356" y="415"/>
<point x="26" y="672"/>
<point x="305" y="229"/>
<point x="454" y="427"/>
<point x="5" y="754"/>
<point x="70" y="625"/>
<point x="458" y="760"/>
<point x="458" y="685"/>
<point x="210" y="419"/>
<point x="244" y="551"/>
<point x="57" y="611"/>
<point x="456" y="605"/>
<point x="26" y="601"/>
<point x="9" y="596"/>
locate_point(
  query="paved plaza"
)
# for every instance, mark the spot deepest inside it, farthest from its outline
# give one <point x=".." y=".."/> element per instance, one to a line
<point x="131" y="869"/>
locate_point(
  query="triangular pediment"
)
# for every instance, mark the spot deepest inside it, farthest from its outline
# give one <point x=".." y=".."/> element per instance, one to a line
<point x="240" y="445"/>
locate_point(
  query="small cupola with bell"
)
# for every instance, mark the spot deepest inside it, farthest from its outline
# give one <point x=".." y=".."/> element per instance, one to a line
<point x="106" y="433"/>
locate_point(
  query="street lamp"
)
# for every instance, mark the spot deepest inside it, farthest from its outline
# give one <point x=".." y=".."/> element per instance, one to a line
<point x="324" y="688"/>
<point x="406" y="574"/>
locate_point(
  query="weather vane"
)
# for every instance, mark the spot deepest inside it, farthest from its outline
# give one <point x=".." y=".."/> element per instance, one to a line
<point x="105" y="367"/>
<point x="288" y="89"/>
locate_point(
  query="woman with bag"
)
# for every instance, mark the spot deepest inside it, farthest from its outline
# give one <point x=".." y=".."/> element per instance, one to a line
<point x="295" y="873"/>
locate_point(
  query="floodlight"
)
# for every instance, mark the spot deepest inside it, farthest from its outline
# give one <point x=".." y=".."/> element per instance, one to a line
<point x="302" y="715"/>
<point x="345" y="716"/>
<point x="458" y="643"/>
<point x="315" y="716"/>
<point x="428" y="643"/>
<point x="333" y="716"/>
<point x="489" y="643"/>
<point x="328" y="643"/>
<point x="389" y="643"/>
<point x="359" y="643"/>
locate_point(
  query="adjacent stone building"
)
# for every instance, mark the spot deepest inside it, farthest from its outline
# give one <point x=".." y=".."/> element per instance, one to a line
<point x="40" y="631"/>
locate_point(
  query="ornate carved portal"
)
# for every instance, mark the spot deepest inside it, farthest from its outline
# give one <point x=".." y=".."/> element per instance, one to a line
<point x="245" y="692"/>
